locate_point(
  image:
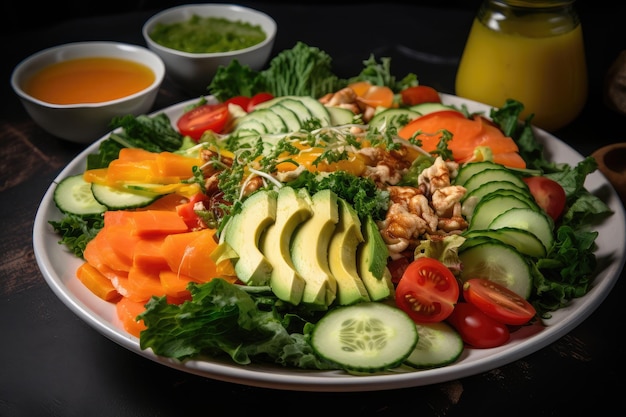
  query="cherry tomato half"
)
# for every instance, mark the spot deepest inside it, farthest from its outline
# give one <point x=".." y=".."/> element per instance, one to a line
<point x="258" y="99"/>
<point x="427" y="291"/>
<point x="497" y="301"/>
<point x="549" y="194"/>
<point x="419" y="94"/>
<point x="206" y="117"/>
<point x="476" y="328"/>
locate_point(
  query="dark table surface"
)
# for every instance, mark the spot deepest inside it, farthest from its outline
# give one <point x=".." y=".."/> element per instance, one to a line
<point x="52" y="363"/>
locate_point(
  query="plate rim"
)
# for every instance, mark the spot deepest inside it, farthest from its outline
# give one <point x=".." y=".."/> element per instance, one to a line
<point x="81" y="302"/>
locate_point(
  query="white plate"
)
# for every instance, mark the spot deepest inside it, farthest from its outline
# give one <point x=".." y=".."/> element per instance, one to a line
<point x="59" y="266"/>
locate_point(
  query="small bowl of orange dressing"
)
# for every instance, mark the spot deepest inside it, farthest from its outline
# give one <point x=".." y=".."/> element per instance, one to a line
<point x="74" y="91"/>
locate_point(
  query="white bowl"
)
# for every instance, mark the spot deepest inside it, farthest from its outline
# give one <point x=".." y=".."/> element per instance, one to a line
<point x="193" y="72"/>
<point x="86" y="122"/>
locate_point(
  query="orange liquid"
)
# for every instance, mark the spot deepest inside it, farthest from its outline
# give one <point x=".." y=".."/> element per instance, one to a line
<point x="89" y="80"/>
<point x="544" y="71"/>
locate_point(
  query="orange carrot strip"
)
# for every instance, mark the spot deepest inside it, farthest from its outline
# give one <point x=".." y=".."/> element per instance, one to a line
<point x="143" y="284"/>
<point x="154" y="222"/>
<point x="189" y="254"/>
<point x="105" y="254"/>
<point x="127" y="311"/>
<point x="96" y="282"/>
<point x="166" y="203"/>
<point x="122" y="240"/>
<point x="174" y="284"/>
<point x="147" y="254"/>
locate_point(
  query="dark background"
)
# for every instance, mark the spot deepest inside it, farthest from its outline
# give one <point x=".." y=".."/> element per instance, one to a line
<point x="21" y="16"/>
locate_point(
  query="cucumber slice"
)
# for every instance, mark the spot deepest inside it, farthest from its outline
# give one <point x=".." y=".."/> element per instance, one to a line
<point x="273" y="122"/>
<point x="392" y="117"/>
<point x="317" y="109"/>
<point x="534" y="221"/>
<point x="365" y="337"/>
<point x="492" y="174"/>
<point x="296" y="106"/>
<point x="289" y="117"/>
<point x="491" y="207"/>
<point x="425" y="108"/>
<point x="473" y="168"/>
<point x="73" y="195"/>
<point x="522" y="240"/>
<point x="115" y="199"/>
<point x="340" y="116"/>
<point x="492" y="186"/>
<point x="439" y="345"/>
<point x="498" y="262"/>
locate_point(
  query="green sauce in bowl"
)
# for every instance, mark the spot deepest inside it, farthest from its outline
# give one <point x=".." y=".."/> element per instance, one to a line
<point x="208" y="35"/>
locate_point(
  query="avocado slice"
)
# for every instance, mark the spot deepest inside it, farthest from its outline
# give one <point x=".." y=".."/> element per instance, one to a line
<point x="342" y="256"/>
<point x="372" y="257"/>
<point x="293" y="208"/>
<point x="309" y="250"/>
<point x="243" y="233"/>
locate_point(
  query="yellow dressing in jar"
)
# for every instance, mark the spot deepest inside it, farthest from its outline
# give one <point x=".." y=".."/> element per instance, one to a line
<point x="529" y="51"/>
<point x="89" y="80"/>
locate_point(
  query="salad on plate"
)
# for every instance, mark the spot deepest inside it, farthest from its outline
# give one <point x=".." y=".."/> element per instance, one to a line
<point x="299" y="219"/>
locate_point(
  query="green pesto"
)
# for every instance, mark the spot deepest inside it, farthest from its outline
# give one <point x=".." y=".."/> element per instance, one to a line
<point x="208" y="35"/>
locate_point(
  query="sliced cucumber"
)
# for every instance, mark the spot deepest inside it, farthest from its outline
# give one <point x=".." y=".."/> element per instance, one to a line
<point x="522" y="240"/>
<point x="425" y="108"/>
<point x="317" y="109"/>
<point x="481" y="191"/>
<point x="492" y="206"/>
<point x="392" y="117"/>
<point x="340" y="116"/>
<point x="534" y="221"/>
<point x="498" y="262"/>
<point x="492" y="174"/>
<point x="250" y="124"/>
<point x="289" y="117"/>
<point x="298" y="108"/>
<point x="116" y="199"/>
<point x="73" y="195"/>
<point x="473" y="168"/>
<point x="269" y="118"/>
<point x="365" y="337"/>
<point x="439" y="345"/>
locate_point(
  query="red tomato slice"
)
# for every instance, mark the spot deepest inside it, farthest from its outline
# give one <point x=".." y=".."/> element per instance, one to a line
<point x="419" y="94"/>
<point x="188" y="213"/>
<point x="241" y="101"/>
<point x="476" y="328"/>
<point x="258" y="99"/>
<point x="498" y="302"/>
<point x="206" y="117"/>
<point x="549" y="194"/>
<point x="427" y="291"/>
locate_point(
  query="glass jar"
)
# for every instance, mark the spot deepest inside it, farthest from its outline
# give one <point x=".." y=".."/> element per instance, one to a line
<point x="528" y="50"/>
